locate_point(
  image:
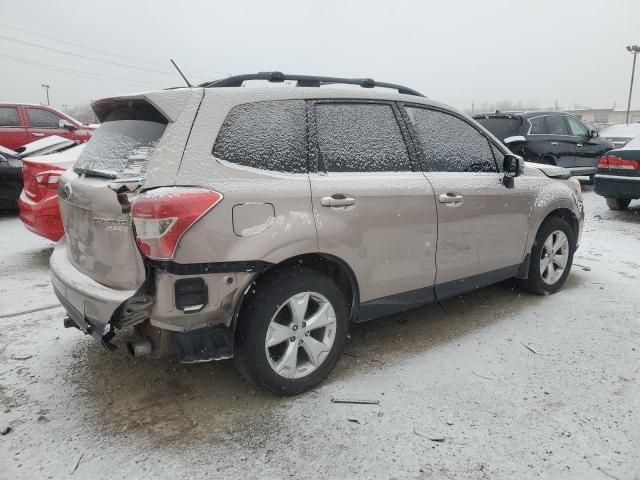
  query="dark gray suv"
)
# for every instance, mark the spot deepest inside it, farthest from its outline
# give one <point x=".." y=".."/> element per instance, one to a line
<point x="549" y="137"/>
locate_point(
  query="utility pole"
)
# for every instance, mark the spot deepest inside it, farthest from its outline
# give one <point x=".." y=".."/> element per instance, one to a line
<point x="556" y="104"/>
<point x="473" y="107"/>
<point x="633" y="50"/>
<point x="46" y="87"/>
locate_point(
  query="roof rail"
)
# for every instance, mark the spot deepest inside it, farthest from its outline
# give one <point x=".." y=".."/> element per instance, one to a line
<point x="306" y="81"/>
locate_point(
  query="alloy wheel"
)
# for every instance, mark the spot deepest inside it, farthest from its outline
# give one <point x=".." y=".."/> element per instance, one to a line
<point x="554" y="257"/>
<point x="300" y="335"/>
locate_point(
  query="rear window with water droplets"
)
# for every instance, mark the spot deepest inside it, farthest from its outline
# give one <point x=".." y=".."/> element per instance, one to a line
<point x="265" y="135"/>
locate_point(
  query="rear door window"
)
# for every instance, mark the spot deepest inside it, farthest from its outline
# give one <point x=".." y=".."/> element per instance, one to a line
<point x="556" y="125"/>
<point x="125" y="141"/>
<point x="265" y="135"/>
<point x="538" y="126"/>
<point x="360" y="137"/>
<point x="41" y="118"/>
<point x="449" y="143"/>
<point x="9" y="117"/>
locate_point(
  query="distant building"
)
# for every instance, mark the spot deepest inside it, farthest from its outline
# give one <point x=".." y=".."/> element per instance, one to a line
<point x="606" y="115"/>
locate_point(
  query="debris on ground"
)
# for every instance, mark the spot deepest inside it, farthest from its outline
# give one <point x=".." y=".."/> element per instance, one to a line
<point x="78" y="462"/>
<point x="481" y="376"/>
<point x="433" y="438"/>
<point x="21" y="357"/>
<point x="530" y="349"/>
<point x="355" y="401"/>
<point x="5" y="430"/>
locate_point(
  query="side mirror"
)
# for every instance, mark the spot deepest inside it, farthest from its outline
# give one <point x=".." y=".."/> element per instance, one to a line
<point x="512" y="166"/>
<point x="67" y="125"/>
<point x="594" y="133"/>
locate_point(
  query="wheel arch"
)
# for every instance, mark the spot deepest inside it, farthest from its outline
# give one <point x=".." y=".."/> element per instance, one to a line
<point x="334" y="267"/>
<point x="558" y="211"/>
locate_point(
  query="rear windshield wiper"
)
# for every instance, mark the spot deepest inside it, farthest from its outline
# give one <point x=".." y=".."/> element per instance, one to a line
<point x="88" y="172"/>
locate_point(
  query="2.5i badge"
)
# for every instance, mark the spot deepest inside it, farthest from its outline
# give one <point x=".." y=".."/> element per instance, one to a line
<point x="112" y="224"/>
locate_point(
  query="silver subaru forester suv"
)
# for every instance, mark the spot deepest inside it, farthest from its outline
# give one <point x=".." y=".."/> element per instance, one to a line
<point x="228" y="221"/>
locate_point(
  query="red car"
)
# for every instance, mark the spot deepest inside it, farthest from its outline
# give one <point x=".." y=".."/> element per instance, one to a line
<point x="38" y="202"/>
<point x="21" y="124"/>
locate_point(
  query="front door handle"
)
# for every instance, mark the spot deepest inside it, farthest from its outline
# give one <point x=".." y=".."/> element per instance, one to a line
<point x="37" y="134"/>
<point x="579" y="145"/>
<point x="555" y="144"/>
<point x="451" y="199"/>
<point x="337" y="200"/>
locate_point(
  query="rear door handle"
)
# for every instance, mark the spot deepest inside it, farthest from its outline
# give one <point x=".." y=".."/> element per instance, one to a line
<point x="578" y="145"/>
<point x="555" y="144"/>
<point x="337" y="200"/>
<point x="37" y="134"/>
<point x="450" y="198"/>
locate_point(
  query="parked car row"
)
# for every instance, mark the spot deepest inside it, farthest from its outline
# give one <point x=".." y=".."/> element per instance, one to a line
<point x="259" y="224"/>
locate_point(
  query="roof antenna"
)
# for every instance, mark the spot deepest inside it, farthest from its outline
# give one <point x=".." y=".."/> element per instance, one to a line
<point x="181" y="74"/>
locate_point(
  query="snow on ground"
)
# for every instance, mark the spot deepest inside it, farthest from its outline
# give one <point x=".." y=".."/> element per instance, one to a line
<point x="516" y="386"/>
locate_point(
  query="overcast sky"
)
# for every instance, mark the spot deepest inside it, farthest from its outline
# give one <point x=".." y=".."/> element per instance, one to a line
<point x="453" y="51"/>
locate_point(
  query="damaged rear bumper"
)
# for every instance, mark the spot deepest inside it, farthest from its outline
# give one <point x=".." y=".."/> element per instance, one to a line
<point x="101" y="311"/>
<point x="89" y="304"/>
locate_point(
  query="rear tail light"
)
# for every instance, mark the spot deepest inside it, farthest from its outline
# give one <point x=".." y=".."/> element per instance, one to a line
<point x="39" y="183"/>
<point x="162" y="216"/>
<point x="607" y="162"/>
<point x="49" y="178"/>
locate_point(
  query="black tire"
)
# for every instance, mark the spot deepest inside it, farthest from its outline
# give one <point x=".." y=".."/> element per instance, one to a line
<point x="535" y="283"/>
<point x="618" y="203"/>
<point x="268" y="294"/>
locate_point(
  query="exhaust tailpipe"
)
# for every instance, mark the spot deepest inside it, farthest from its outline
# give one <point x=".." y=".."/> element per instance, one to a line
<point x="139" y="348"/>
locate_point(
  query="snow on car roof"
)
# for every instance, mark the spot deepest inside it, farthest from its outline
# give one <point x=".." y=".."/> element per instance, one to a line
<point x="26" y="150"/>
<point x="633" y="144"/>
<point x="621" y="130"/>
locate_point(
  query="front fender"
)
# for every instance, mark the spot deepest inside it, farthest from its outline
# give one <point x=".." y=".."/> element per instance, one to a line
<point x="557" y="195"/>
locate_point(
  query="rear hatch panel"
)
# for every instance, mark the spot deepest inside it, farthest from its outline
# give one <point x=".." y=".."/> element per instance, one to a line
<point x="136" y="133"/>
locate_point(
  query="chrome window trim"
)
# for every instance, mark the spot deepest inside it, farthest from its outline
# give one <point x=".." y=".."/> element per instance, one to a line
<point x="554" y="134"/>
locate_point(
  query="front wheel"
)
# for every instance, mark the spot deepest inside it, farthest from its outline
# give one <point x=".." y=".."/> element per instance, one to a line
<point x="291" y="331"/>
<point x="618" y="203"/>
<point x="551" y="257"/>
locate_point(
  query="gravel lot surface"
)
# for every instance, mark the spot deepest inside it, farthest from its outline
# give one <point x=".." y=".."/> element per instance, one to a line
<point x="497" y="384"/>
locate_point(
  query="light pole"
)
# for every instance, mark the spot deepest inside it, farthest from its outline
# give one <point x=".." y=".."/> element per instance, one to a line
<point x="633" y="50"/>
<point x="46" y="87"/>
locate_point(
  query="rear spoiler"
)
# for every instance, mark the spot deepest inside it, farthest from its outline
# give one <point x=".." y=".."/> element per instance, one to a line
<point x="169" y="103"/>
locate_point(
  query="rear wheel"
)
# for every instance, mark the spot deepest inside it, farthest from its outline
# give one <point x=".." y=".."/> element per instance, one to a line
<point x="618" y="203"/>
<point x="291" y="331"/>
<point x="551" y="257"/>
